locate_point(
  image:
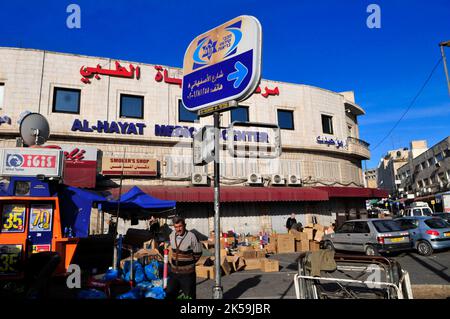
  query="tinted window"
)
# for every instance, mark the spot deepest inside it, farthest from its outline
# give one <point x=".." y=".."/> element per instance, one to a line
<point x="66" y="100"/>
<point x="327" y="124"/>
<point x="384" y="226"/>
<point x="407" y="224"/>
<point x="436" y="223"/>
<point x="346" y="228"/>
<point x="361" y="228"/>
<point x="239" y="114"/>
<point x="286" y="119"/>
<point x="184" y="115"/>
<point x="131" y="106"/>
<point x="427" y="212"/>
<point x="417" y="212"/>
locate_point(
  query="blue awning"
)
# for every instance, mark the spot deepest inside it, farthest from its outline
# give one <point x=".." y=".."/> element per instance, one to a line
<point x="75" y="206"/>
<point x="135" y="198"/>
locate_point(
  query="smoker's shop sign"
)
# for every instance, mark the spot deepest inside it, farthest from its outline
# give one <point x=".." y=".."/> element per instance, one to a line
<point x="123" y="128"/>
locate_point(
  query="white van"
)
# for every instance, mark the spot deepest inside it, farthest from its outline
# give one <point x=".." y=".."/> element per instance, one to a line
<point x="418" y="209"/>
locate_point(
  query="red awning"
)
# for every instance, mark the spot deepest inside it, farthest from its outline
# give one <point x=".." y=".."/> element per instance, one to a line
<point x="232" y="194"/>
<point x="360" y="192"/>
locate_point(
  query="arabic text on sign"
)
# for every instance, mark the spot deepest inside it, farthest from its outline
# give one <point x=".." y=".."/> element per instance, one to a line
<point x="88" y="72"/>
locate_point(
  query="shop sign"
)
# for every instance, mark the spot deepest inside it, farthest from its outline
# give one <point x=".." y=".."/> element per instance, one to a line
<point x="129" y="166"/>
<point x="31" y="162"/>
<point x="124" y="128"/>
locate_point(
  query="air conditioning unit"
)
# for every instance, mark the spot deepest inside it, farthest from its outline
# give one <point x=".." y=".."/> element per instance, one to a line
<point x="277" y="179"/>
<point x="199" y="179"/>
<point x="255" y="179"/>
<point x="294" y="180"/>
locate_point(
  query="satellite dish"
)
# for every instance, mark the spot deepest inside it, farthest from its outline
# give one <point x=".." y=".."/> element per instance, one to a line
<point x="34" y="129"/>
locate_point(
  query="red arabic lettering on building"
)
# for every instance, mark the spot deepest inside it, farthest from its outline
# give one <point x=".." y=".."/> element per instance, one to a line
<point x="120" y="71"/>
<point x="159" y="77"/>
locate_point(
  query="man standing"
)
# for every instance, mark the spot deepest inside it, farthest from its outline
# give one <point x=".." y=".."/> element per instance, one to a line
<point x="186" y="251"/>
<point x="290" y="221"/>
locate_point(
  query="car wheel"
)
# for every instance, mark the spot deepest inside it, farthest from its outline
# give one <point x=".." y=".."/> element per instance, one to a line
<point x="329" y="245"/>
<point x="371" y="251"/>
<point x="424" y="248"/>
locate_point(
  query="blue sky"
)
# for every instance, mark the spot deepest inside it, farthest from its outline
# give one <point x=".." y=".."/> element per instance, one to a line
<point x="324" y="43"/>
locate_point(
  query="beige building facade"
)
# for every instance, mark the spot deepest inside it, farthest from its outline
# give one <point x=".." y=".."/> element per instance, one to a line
<point x="133" y="110"/>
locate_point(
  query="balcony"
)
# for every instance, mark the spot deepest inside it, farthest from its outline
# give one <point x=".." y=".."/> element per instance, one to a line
<point x="358" y="147"/>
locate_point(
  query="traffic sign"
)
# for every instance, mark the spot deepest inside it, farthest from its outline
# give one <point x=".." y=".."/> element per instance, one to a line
<point x="223" y="64"/>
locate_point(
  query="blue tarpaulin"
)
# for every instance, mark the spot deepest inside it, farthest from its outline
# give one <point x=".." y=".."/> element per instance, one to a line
<point x="135" y="198"/>
<point x="75" y="206"/>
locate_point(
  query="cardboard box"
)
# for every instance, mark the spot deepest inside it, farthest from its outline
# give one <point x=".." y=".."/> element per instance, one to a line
<point x="319" y="236"/>
<point x="301" y="245"/>
<point x="245" y="248"/>
<point x="314" y="246"/>
<point x="270" y="265"/>
<point x="247" y="254"/>
<point x="319" y="227"/>
<point x="252" y="264"/>
<point x="237" y="263"/>
<point x="298" y="235"/>
<point x="205" y="272"/>
<point x="285" y="244"/>
<point x="260" y="253"/>
<point x="271" y="248"/>
<point x="309" y="233"/>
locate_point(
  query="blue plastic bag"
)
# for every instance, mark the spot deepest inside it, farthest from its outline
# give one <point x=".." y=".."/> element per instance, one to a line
<point x="144" y="285"/>
<point x="155" y="293"/>
<point x="111" y="274"/>
<point x="91" y="294"/>
<point x="138" y="272"/>
<point x="135" y="293"/>
<point x="152" y="270"/>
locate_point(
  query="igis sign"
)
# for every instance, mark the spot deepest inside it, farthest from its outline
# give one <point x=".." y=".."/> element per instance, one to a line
<point x="31" y="162"/>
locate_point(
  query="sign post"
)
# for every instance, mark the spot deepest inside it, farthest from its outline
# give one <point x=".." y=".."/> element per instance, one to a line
<point x="221" y="67"/>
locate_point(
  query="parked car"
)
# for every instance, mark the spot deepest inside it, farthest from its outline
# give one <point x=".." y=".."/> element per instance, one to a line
<point x="427" y="233"/>
<point x="418" y="209"/>
<point x="370" y="236"/>
<point x="444" y="216"/>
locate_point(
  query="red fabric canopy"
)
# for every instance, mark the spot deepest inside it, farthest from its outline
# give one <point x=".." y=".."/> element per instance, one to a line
<point x="256" y="194"/>
<point x="233" y="194"/>
<point x="355" y="192"/>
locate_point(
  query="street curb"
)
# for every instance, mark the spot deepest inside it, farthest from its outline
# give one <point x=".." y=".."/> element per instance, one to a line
<point x="431" y="291"/>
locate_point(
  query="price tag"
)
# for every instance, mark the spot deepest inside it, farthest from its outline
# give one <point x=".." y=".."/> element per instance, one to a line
<point x="10" y="256"/>
<point x="13" y="218"/>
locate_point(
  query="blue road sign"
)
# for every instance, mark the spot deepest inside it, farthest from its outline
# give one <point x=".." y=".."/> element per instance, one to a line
<point x="223" y="64"/>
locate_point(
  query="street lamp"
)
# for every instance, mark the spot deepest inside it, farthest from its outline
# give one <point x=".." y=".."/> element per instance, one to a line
<point x="442" y="45"/>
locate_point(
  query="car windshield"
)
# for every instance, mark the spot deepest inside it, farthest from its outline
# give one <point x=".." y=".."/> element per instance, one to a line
<point x="407" y="224"/>
<point x="427" y="212"/>
<point x="384" y="226"/>
<point x="437" y="223"/>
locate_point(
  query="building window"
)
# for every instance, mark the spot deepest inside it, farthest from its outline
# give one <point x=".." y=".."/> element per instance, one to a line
<point x="131" y="106"/>
<point x="327" y="124"/>
<point x="439" y="157"/>
<point x="2" y="94"/>
<point x="285" y="119"/>
<point x="423" y="165"/>
<point x="66" y="100"/>
<point x="349" y="131"/>
<point x="431" y="162"/>
<point x="184" y="115"/>
<point x="239" y="114"/>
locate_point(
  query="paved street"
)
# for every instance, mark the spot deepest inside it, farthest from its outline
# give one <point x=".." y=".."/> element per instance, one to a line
<point x="433" y="270"/>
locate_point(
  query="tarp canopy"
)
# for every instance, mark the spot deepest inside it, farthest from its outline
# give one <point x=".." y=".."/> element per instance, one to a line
<point x="135" y="198"/>
<point x="75" y="206"/>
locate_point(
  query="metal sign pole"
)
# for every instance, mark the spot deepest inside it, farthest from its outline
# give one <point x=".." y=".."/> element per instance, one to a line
<point x="217" y="289"/>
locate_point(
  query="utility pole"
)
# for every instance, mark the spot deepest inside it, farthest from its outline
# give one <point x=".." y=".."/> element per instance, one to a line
<point x="444" y="59"/>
